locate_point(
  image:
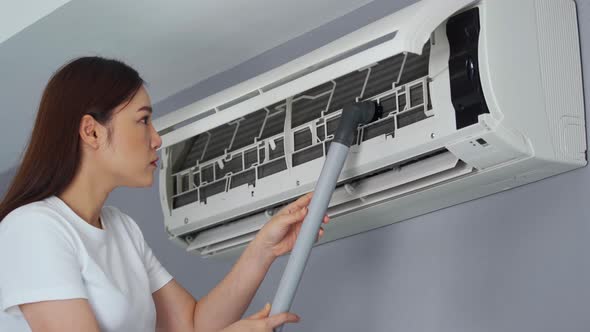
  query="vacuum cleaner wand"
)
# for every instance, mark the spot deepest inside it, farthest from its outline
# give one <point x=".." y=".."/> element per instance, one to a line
<point x="352" y="116"/>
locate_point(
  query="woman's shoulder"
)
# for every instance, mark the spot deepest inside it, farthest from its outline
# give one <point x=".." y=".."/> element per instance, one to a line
<point x="115" y="214"/>
<point x="118" y="218"/>
<point x="35" y="223"/>
<point x="35" y="212"/>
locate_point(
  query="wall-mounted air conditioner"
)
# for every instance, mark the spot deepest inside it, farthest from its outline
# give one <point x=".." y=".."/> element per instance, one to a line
<point x="476" y="97"/>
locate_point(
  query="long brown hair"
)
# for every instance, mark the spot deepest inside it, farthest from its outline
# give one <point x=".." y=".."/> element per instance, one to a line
<point x="88" y="85"/>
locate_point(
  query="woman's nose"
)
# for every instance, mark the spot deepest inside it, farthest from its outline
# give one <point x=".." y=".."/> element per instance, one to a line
<point x="156" y="139"/>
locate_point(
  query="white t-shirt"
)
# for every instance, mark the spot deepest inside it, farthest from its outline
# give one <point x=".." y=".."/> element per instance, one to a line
<point x="47" y="252"/>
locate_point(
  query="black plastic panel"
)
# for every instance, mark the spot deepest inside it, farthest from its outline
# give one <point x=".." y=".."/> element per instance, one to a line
<point x="466" y="91"/>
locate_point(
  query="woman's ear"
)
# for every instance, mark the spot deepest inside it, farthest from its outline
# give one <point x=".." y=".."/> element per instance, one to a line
<point x="92" y="133"/>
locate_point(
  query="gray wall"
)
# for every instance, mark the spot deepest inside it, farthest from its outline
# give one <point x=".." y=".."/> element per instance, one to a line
<point x="513" y="261"/>
<point x="5" y="179"/>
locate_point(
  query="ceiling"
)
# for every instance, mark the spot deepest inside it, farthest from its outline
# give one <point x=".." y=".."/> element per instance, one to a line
<point x="173" y="44"/>
<point x="17" y="15"/>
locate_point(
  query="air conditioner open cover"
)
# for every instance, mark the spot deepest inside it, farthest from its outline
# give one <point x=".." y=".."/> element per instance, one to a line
<point x="231" y="160"/>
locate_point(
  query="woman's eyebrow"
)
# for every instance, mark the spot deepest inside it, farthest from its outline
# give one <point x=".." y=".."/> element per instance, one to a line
<point x="145" y="108"/>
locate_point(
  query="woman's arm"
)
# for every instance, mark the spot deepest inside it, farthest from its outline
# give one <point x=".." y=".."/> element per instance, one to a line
<point x="228" y="301"/>
<point x="177" y="310"/>
<point x="60" y="316"/>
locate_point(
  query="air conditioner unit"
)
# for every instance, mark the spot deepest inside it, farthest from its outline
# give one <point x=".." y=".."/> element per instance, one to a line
<point x="476" y="97"/>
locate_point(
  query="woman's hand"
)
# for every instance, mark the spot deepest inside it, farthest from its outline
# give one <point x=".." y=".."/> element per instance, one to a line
<point x="261" y="322"/>
<point x="278" y="236"/>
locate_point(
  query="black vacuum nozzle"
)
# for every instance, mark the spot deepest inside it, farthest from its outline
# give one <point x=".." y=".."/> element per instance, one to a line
<point x="354" y="115"/>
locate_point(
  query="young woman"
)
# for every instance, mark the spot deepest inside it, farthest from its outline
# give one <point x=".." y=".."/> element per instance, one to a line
<point x="68" y="263"/>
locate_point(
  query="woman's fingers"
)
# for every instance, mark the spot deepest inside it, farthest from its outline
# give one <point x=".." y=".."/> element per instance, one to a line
<point x="301" y="202"/>
<point x="297" y="216"/>
<point x="320" y="235"/>
<point x="263" y="313"/>
<point x="292" y="218"/>
<point x="282" y="318"/>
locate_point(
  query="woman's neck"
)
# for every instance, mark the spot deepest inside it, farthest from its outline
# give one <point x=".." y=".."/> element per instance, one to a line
<point x="86" y="195"/>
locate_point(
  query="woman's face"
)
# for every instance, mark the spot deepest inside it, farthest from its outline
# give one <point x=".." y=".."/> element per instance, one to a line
<point x="131" y="153"/>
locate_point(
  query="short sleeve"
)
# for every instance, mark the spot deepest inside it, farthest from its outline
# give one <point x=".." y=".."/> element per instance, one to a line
<point x="39" y="261"/>
<point x="158" y="276"/>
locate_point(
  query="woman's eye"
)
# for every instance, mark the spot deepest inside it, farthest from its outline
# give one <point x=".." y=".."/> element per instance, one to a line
<point x="145" y="120"/>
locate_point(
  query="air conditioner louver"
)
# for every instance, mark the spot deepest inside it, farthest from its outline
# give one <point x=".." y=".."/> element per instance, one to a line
<point x="405" y="178"/>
